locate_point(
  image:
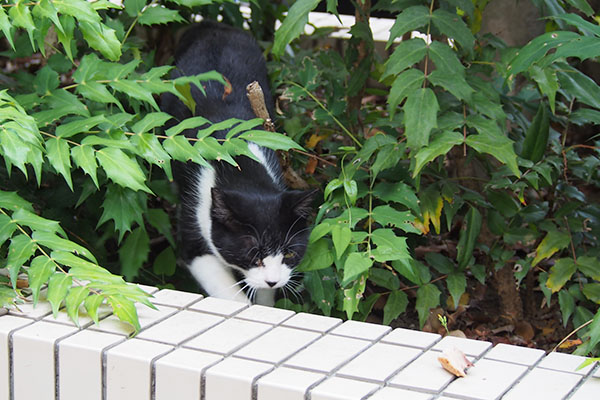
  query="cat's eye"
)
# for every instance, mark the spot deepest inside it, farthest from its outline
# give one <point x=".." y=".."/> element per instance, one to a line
<point x="259" y="263"/>
<point x="289" y="255"/>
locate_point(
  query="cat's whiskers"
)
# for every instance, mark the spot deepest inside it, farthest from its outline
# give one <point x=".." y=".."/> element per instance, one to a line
<point x="288" y="240"/>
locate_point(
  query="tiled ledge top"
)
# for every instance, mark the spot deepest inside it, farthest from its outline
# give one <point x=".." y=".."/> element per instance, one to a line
<point x="212" y="349"/>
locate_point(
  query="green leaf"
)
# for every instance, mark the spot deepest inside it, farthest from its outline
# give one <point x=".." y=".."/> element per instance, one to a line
<point x="341" y="236"/>
<point x="35" y="222"/>
<point x="440" y="145"/>
<point x="7" y="27"/>
<point x="356" y="265"/>
<point x="428" y="297"/>
<point x="567" y="305"/>
<point x="8" y="297"/>
<point x="441" y="263"/>
<point x="406" y="54"/>
<point x="85" y="158"/>
<point x="20" y="251"/>
<point x="124" y="207"/>
<point x="125" y="310"/>
<point x="536" y="138"/>
<point x="384" y="278"/>
<point x="135" y="90"/>
<point x="150" y="149"/>
<point x="389" y="246"/>
<point x="14" y="149"/>
<point x="159" y="15"/>
<point x="446" y="60"/>
<point x="592" y="292"/>
<point x="553" y="242"/>
<point x="58" y="285"/>
<point x="272" y="140"/>
<point x="77" y="126"/>
<point x="45" y="81"/>
<point x="55" y="242"/>
<point x="351" y="190"/>
<point x="293" y="24"/>
<point x="454" y="27"/>
<point x="353" y="295"/>
<point x="159" y="219"/>
<point x="457" y="283"/>
<point x="80" y="9"/>
<point x="61" y="98"/>
<point x="408" y="20"/>
<point x="387" y="215"/>
<point x="408" y="268"/>
<point x="583" y="6"/>
<point x="468" y="237"/>
<point x="394" y="306"/>
<point x="536" y="49"/>
<point x="12" y="201"/>
<point x="453" y="83"/>
<point x="97" y="92"/>
<point x="547" y="81"/>
<point x="399" y="193"/>
<point x="7" y="228"/>
<point x="405" y="83"/>
<point x="165" y="263"/>
<point x="134" y="252"/>
<point x="73" y="300"/>
<point x="103" y="39"/>
<point x="21" y="18"/>
<point x="589" y="266"/>
<point x="577" y="84"/>
<point x="491" y="140"/>
<point x="560" y="273"/>
<point x="584" y="26"/>
<point x="40" y="270"/>
<point x="420" y="117"/>
<point x="91" y="304"/>
<point x="122" y="169"/>
<point x="321" y="285"/>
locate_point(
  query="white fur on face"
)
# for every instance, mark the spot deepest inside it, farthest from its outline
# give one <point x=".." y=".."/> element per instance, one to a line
<point x="272" y="270"/>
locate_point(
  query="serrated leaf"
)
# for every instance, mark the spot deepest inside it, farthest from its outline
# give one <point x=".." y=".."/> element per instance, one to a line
<point x="20" y="251"/>
<point x="560" y="273"/>
<point x="135" y="90"/>
<point x="321" y="285"/>
<point x="536" y="138"/>
<point x="91" y="304"/>
<point x="399" y="193"/>
<point x="446" y="60"/>
<point x="14" y="149"/>
<point x="537" y="48"/>
<point x="85" y="158"/>
<point x="73" y="300"/>
<point x="319" y="255"/>
<point x="20" y="15"/>
<point x="58" y="285"/>
<point x="35" y="222"/>
<point x="150" y="121"/>
<point x="97" y="92"/>
<point x="62" y="99"/>
<point x="468" y="237"/>
<point x="181" y="150"/>
<point x="293" y="24"/>
<point x="428" y="297"/>
<point x="394" y="306"/>
<point x="353" y="296"/>
<point x="12" y="201"/>
<point x="159" y="15"/>
<point x="547" y="82"/>
<point x="389" y="246"/>
<point x="341" y="236"/>
<point x="40" y="270"/>
<point x="387" y="215"/>
<point x="406" y="54"/>
<point x="592" y="292"/>
<point x="384" y="278"/>
<point x="55" y="242"/>
<point x="589" y="266"/>
<point x="583" y="6"/>
<point x="134" y="252"/>
<point x="80" y="9"/>
<point x="577" y="84"/>
<point x="454" y="27"/>
<point x="122" y="169"/>
<point x="125" y="310"/>
<point x="165" y="263"/>
<point x="404" y="83"/>
<point x="579" y="23"/>
<point x="102" y="38"/>
<point x="124" y="207"/>
<point x="133" y="7"/>
<point x="65" y="36"/>
<point x="440" y="145"/>
<point x="408" y="20"/>
<point x="74" y="127"/>
<point x="7" y="228"/>
<point x="567" y="305"/>
<point x="420" y="117"/>
<point x="159" y="219"/>
<point x="272" y="140"/>
<point x="151" y="150"/>
<point x="453" y="83"/>
<point x="457" y="283"/>
<point x="553" y="242"/>
<point x="7" y="27"/>
<point x="8" y="297"/>
<point x="356" y="264"/>
<point x="45" y="81"/>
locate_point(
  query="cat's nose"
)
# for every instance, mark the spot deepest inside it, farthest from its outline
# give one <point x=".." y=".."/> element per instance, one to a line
<point x="271" y="284"/>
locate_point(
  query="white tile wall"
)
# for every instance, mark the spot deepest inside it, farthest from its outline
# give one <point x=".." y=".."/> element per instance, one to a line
<point x="212" y="349"/>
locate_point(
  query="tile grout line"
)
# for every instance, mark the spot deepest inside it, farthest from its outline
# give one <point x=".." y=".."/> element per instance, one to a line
<point x="585" y="378"/>
<point x="103" y="360"/>
<point x="153" y="372"/>
<point x="11" y="367"/>
<point x="56" y="361"/>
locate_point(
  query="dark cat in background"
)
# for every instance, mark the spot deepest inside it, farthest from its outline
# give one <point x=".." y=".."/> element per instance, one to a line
<point x="238" y="228"/>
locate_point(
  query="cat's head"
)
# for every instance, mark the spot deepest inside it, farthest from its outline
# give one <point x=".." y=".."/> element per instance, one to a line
<point x="264" y="235"/>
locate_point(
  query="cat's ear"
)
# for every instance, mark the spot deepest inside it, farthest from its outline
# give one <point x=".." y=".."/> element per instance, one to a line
<point x="301" y="202"/>
<point x="219" y="208"/>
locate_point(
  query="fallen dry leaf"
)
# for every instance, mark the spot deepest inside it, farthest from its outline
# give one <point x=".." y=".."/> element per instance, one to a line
<point x="454" y="361"/>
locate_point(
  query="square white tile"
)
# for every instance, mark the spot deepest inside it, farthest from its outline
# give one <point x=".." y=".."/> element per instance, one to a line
<point x="8" y="324"/>
<point x="342" y="389"/>
<point x="41" y="309"/>
<point x="361" y="330"/>
<point x="174" y="298"/>
<point x="277" y="344"/>
<point x="146" y="288"/>
<point x="487" y="380"/>
<point x="223" y="307"/>
<point x="179" y="327"/>
<point x="379" y="362"/>
<point x="233" y="378"/>
<point x="178" y="374"/>
<point x="546" y="384"/>
<point x="589" y="390"/>
<point x="128" y="369"/>
<point x="80" y="364"/>
<point x="268" y="315"/>
<point x="514" y="354"/>
<point x="146" y="315"/>
<point x="327" y="353"/>
<point x="565" y="362"/>
<point x="313" y="322"/>
<point x="228" y="336"/>
<point x="84" y="319"/>
<point x="425" y="373"/>
<point x="408" y="337"/>
<point x="287" y="383"/>
<point x="470" y="347"/>
<point x="391" y="393"/>
<point x="33" y="356"/>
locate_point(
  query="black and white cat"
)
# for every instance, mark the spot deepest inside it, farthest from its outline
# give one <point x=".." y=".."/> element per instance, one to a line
<point x="238" y="229"/>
